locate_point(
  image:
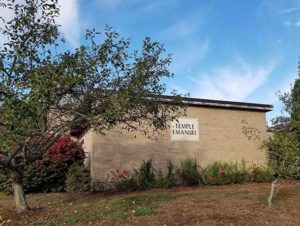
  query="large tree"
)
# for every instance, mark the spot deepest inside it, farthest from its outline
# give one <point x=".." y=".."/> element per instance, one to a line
<point x="46" y="91"/>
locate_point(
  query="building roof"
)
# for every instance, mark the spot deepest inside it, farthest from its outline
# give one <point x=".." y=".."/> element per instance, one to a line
<point x="221" y="104"/>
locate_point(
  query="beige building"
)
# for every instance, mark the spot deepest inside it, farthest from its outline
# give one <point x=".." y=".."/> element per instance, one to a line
<point x="211" y="131"/>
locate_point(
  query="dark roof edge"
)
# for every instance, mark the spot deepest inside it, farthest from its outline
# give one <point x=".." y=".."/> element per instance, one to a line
<point x="221" y="103"/>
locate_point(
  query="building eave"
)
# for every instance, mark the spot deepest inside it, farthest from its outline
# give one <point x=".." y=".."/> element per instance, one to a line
<point x="221" y="104"/>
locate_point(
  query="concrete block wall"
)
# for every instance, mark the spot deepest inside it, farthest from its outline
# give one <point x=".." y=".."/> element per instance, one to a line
<point x="220" y="139"/>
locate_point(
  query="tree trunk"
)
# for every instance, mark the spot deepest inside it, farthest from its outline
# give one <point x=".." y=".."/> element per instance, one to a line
<point x="19" y="195"/>
<point x="273" y="185"/>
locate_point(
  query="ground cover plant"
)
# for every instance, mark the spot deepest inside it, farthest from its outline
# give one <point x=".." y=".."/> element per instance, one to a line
<point x="239" y="204"/>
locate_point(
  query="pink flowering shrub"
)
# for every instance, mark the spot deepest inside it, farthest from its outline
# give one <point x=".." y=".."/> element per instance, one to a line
<point x="123" y="180"/>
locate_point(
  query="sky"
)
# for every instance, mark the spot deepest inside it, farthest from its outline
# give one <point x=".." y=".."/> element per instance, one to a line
<point x="239" y="50"/>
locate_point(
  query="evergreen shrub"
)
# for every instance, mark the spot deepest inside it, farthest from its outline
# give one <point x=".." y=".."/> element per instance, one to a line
<point x="78" y="179"/>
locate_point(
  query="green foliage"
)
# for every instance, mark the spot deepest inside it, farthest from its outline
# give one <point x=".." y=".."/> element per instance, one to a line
<point x="48" y="174"/>
<point x="160" y="179"/>
<point x="259" y="173"/>
<point x="171" y="175"/>
<point x="291" y="104"/>
<point x="78" y="179"/>
<point x="218" y="173"/>
<point x="146" y="174"/>
<point x="283" y="146"/>
<point x="102" y="186"/>
<point x="46" y="90"/>
<point x="50" y="178"/>
<point x="224" y="173"/>
<point x="168" y="180"/>
<point x="144" y="177"/>
<point x="127" y="185"/>
<point x="189" y="171"/>
<point x="5" y="182"/>
<point x="284" y="154"/>
<point x="124" y="180"/>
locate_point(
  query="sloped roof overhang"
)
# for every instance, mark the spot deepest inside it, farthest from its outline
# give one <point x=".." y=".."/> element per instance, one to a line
<point x="220" y="104"/>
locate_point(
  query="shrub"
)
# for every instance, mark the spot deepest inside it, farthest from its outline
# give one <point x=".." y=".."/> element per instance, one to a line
<point x="259" y="173"/>
<point x="170" y="179"/>
<point x="123" y="180"/>
<point x="224" y="173"/>
<point x="161" y="180"/>
<point x="65" y="151"/>
<point x="189" y="171"/>
<point x="5" y="182"/>
<point x="48" y="174"/>
<point x="102" y="186"/>
<point x="284" y="155"/>
<point x="50" y="178"/>
<point x="78" y="179"/>
<point x="145" y="174"/>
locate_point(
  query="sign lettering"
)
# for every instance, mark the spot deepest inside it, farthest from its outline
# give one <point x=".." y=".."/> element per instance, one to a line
<point x="184" y="129"/>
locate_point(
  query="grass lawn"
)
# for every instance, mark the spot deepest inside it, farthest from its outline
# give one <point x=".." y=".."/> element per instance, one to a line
<point x="208" y="205"/>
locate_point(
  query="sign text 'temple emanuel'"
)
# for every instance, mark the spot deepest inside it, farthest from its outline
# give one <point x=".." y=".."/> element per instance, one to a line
<point x="185" y="129"/>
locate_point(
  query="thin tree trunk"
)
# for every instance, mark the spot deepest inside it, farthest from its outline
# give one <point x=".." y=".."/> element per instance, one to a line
<point x="273" y="185"/>
<point x="19" y="195"/>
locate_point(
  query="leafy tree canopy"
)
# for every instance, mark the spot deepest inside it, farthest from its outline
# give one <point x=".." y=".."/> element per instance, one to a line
<point x="284" y="145"/>
<point x="46" y="91"/>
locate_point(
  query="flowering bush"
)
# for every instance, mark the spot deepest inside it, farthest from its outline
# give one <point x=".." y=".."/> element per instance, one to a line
<point x="123" y="180"/>
<point x="224" y="173"/>
<point x="190" y="173"/>
<point x="48" y="174"/>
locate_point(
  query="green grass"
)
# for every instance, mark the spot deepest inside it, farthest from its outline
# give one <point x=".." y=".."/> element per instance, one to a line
<point x="239" y="193"/>
<point x="114" y="208"/>
<point x="124" y="207"/>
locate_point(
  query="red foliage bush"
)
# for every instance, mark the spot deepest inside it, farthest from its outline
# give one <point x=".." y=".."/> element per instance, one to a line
<point x="64" y="151"/>
<point x="49" y="173"/>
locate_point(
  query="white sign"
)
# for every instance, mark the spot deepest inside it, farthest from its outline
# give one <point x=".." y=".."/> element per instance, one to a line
<point x="185" y="129"/>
